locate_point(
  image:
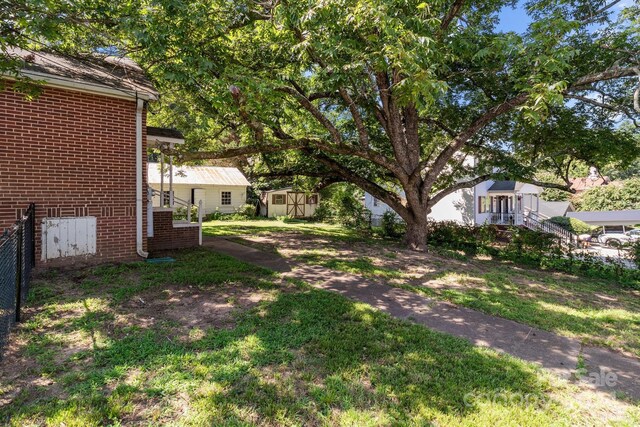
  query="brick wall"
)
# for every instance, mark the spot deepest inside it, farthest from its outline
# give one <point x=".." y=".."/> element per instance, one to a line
<point x="72" y="154"/>
<point x="167" y="237"/>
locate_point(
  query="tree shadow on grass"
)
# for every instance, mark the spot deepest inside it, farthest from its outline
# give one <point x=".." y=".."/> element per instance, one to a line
<point x="305" y="358"/>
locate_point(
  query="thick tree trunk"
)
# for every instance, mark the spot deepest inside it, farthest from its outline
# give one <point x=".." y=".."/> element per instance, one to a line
<point x="416" y="236"/>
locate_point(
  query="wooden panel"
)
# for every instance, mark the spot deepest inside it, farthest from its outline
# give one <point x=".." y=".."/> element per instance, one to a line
<point x="295" y="204"/>
<point x="68" y="237"/>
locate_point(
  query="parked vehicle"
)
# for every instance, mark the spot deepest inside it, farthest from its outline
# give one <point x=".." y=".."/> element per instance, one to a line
<point x="617" y="238"/>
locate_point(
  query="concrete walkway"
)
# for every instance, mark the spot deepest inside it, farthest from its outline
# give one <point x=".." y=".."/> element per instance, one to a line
<point x="271" y="261"/>
<point x="606" y="370"/>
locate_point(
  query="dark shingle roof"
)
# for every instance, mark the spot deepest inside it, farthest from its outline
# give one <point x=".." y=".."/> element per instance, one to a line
<point x="164" y="132"/>
<point x="503" y="186"/>
<point x="111" y="72"/>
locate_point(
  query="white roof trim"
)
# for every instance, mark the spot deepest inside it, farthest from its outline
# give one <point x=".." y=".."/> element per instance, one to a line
<point x="164" y="139"/>
<point x="68" y="83"/>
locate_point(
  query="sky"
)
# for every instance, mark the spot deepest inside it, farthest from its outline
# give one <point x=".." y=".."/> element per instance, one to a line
<point x="514" y="19"/>
<point x="517" y="20"/>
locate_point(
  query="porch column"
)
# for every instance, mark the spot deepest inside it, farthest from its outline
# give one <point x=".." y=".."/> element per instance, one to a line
<point x="161" y="180"/>
<point x="171" y="177"/>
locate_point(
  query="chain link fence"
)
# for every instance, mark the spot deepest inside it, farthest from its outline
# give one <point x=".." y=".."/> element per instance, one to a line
<point x="17" y="258"/>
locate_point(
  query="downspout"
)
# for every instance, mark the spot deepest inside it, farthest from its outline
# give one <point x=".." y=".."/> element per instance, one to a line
<point x="139" y="173"/>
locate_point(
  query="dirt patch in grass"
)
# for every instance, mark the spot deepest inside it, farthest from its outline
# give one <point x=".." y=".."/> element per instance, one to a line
<point x="75" y="315"/>
<point x="190" y="307"/>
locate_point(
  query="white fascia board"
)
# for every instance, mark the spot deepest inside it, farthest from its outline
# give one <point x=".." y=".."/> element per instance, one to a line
<point x="163" y="139"/>
<point x="94" y="88"/>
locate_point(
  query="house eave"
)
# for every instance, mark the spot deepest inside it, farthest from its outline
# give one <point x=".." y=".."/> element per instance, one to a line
<point x="153" y="139"/>
<point x="51" y="80"/>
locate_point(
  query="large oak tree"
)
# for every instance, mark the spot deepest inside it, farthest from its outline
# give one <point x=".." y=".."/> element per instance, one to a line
<point x="387" y="94"/>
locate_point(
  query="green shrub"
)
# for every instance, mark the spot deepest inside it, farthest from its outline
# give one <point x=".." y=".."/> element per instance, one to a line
<point x="533" y="248"/>
<point x="341" y="203"/>
<point x="529" y="243"/>
<point x="392" y="226"/>
<point x="453" y="235"/>
<point x="214" y="216"/>
<point x="242" y="213"/>
<point x="634" y="252"/>
<point x="246" y="211"/>
<point x="180" y="214"/>
<point x="573" y="225"/>
<point x="322" y="213"/>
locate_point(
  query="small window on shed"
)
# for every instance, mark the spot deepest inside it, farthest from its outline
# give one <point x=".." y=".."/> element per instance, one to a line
<point x="312" y="199"/>
<point x="225" y="197"/>
<point x="278" y="199"/>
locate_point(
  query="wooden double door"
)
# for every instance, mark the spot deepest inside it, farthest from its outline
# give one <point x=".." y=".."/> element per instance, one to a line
<point x="295" y="204"/>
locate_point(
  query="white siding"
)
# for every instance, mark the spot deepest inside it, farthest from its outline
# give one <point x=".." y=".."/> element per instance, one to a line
<point x="378" y="208"/>
<point x="67" y="237"/>
<point x="212" y="196"/>
<point x="482" y="190"/>
<point x="459" y="206"/>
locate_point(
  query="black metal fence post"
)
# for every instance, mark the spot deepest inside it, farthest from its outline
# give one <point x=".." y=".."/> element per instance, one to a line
<point x="17" y="259"/>
<point x="32" y="225"/>
<point x="19" y="269"/>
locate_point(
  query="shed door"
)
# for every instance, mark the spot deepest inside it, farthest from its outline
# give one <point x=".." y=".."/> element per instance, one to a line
<point x="67" y="237"/>
<point x="295" y="205"/>
<point x="197" y="194"/>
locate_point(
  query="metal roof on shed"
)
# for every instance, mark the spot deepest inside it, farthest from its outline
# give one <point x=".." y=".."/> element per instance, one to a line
<point x="198" y="175"/>
<point x="552" y="209"/>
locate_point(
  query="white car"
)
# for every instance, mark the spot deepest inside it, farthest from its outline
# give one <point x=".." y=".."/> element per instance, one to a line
<point x="617" y="239"/>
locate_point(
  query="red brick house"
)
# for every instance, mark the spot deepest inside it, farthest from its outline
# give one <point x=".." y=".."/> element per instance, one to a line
<point x="78" y="151"/>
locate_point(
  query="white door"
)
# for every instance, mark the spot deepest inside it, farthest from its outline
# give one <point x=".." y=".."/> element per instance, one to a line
<point x="198" y="194"/>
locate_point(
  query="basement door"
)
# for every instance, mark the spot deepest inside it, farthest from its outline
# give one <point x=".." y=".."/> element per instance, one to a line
<point x="295" y="204"/>
<point x="66" y="237"/>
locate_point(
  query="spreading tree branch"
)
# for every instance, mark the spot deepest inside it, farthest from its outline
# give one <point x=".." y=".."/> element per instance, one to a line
<point x="454" y="10"/>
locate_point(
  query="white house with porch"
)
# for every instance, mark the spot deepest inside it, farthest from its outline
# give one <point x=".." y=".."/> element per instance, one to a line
<point x="495" y="202"/>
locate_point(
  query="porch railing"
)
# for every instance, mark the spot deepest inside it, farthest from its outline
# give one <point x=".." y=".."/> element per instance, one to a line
<point x="181" y="203"/>
<point x="534" y="221"/>
<point x="506" y="218"/>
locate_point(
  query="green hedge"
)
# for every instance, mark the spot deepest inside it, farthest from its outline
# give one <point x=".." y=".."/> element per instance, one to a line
<point x="572" y="224"/>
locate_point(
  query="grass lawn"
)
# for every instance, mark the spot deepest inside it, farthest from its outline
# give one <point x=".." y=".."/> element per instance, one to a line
<point x="209" y="340"/>
<point x="599" y="312"/>
<point x="268" y="226"/>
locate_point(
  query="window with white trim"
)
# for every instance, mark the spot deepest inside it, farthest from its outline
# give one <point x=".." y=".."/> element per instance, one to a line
<point x="278" y="199"/>
<point x="484" y="204"/>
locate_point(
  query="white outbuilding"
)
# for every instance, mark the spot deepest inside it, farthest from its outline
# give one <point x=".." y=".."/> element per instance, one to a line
<point x="222" y="189"/>
<point x="288" y="202"/>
